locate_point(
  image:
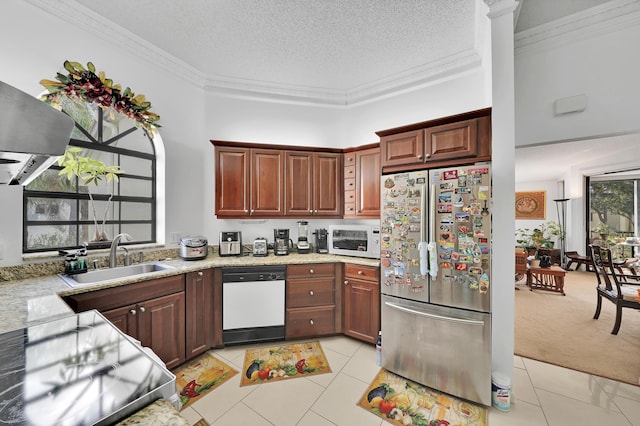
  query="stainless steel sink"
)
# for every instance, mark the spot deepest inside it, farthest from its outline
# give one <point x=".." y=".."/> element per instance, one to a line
<point x="99" y="275"/>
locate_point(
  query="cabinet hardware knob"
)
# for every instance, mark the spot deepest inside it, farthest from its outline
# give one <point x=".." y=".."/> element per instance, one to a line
<point x="350" y="159"/>
<point x="311" y="271"/>
<point x="360" y="273"/>
<point x="315" y="212"/>
<point x="428" y="155"/>
<point x="418" y="156"/>
<point x="346" y="282"/>
<point x="200" y="274"/>
<point x="311" y="292"/>
<point x="132" y="311"/>
<point x="142" y="309"/>
<point x="311" y="211"/>
<point x="311" y="321"/>
<point x="359" y="211"/>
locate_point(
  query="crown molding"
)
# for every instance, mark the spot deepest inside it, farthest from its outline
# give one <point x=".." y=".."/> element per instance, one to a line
<point x="606" y="18"/>
<point x="80" y="16"/>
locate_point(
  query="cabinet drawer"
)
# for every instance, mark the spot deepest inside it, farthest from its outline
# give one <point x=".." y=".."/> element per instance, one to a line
<point x="350" y="172"/>
<point x="349" y="197"/>
<point x="310" y="292"/>
<point x="311" y="270"/>
<point x="349" y="159"/>
<point x="350" y="184"/>
<point x="349" y="209"/>
<point x="369" y="273"/>
<point x="310" y="322"/>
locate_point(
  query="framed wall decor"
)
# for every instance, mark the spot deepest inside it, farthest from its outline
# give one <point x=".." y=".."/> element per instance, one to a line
<point x="531" y="205"/>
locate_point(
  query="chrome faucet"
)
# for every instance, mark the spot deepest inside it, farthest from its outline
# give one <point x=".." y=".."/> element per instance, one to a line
<point x="114" y="248"/>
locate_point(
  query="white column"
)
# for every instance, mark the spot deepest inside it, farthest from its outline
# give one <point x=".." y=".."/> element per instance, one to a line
<point x="503" y="167"/>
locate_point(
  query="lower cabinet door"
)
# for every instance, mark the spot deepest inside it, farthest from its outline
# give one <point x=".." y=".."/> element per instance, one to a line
<point x="305" y="322"/>
<point x="361" y="310"/>
<point x="161" y="326"/>
<point x="125" y="318"/>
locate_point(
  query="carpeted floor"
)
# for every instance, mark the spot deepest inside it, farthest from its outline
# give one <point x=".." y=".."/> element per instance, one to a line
<point x="561" y="330"/>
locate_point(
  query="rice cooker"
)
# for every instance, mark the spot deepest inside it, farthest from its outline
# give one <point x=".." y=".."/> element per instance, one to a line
<point x="193" y="248"/>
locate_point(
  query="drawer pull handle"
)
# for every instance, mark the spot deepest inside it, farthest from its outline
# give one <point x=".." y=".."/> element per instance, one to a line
<point x="346" y="282"/>
<point x="200" y="273"/>
<point x="311" y="321"/>
<point x="311" y="292"/>
<point x="311" y="271"/>
<point x="360" y="273"/>
<point x="132" y="311"/>
<point x="142" y="309"/>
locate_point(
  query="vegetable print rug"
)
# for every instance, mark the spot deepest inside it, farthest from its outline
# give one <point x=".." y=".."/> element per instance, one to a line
<point x="200" y="376"/>
<point x="403" y="402"/>
<point x="285" y="362"/>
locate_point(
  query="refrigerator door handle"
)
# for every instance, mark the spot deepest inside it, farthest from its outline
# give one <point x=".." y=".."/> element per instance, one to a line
<point x="433" y="316"/>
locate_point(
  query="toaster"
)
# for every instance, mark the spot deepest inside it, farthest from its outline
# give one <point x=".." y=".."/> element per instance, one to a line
<point x="260" y="247"/>
<point x="193" y="248"/>
<point x="230" y="243"/>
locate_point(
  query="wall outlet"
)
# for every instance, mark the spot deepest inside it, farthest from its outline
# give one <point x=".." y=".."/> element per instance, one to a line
<point x="175" y="237"/>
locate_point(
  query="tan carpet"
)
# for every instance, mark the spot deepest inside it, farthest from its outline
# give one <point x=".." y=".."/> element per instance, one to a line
<point x="561" y="330"/>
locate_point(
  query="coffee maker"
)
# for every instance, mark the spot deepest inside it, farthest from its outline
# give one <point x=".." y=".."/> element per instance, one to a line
<point x="281" y="242"/>
<point x="303" y="242"/>
<point x="322" y="245"/>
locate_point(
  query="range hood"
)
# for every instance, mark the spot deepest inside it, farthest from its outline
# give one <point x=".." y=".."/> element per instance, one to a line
<point x="33" y="135"/>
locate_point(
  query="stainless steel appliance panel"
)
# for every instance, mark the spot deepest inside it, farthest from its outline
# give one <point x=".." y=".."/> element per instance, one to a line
<point x="443" y="348"/>
<point x="460" y="231"/>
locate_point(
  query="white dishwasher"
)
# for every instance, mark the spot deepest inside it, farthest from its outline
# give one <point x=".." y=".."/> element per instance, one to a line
<point x="253" y="307"/>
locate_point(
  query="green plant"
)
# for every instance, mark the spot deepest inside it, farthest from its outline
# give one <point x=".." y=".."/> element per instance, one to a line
<point x="601" y="228"/>
<point x="88" y="171"/>
<point x="544" y="235"/>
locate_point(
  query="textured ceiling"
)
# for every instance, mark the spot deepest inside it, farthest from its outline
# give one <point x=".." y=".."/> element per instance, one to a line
<point x="339" y="45"/>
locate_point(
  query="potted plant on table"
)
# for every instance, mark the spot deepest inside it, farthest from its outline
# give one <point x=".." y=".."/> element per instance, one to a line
<point x="90" y="171"/>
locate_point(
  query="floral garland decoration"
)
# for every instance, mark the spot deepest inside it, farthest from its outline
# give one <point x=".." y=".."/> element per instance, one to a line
<point x="84" y="84"/>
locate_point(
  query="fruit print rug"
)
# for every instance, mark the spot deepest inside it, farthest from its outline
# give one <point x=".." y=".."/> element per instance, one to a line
<point x="273" y="364"/>
<point x="200" y="376"/>
<point x="403" y="402"/>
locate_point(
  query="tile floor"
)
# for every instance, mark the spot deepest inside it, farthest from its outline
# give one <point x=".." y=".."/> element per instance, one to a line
<point x="542" y="394"/>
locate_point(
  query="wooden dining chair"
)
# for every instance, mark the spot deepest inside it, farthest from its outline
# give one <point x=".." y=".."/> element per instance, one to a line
<point x="609" y="286"/>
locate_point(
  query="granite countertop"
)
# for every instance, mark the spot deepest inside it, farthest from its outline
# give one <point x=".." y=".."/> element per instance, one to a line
<point x="34" y="300"/>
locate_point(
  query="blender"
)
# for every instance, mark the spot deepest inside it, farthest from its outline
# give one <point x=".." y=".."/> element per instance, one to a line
<point x="303" y="242"/>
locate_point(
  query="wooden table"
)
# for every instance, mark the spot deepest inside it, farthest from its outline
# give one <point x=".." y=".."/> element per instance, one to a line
<point x="550" y="279"/>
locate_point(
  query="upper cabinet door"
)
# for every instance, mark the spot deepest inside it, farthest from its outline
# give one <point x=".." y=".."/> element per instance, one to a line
<point x="267" y="182"/>
<point x="402" y="148"/>
<point x="327" y="171"/>
<point x="299" y="178"/>
<point x="232" y="181"/>
<point x="368" y="183"/>
<point x="455" y="140"/>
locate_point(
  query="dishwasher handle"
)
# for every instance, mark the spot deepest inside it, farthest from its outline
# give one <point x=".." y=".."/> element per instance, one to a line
<point x="434" y="316"/>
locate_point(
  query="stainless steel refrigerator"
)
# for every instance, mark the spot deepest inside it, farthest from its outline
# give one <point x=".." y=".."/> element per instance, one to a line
<point x="436" y="278"/>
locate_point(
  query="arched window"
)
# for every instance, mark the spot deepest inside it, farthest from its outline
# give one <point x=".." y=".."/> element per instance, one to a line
<point x="59" y="213"/>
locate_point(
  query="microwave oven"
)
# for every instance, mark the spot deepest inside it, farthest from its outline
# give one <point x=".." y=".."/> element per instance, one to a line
<point x="354" y="240"/>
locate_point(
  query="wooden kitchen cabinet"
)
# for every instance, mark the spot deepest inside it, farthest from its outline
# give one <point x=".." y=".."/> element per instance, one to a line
<point x="200" y="323"/>
<point x="362" y="173"/>
<point x="313" y="300"/>
<point x="152" y="312"/>
<point x="275" y="181"/>
<point x="459" y="139"/>
<point x="249" y="182"/>
<point x="361" y="302"/>
<point x="313" y="184"/>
